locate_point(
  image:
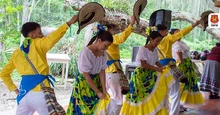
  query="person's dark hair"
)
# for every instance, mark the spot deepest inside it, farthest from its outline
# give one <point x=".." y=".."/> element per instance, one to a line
<point x="218" y="44"/>
<point x="153" y="35"/>
<point x="195" y="55"/>
<point x="103" y="35"/>
<point x="204" y="55"/>
<point x="161" y="27"/>
<point x="28" y="27"/>
<point x="173" y="30"/>
<point x="110" y="26"/>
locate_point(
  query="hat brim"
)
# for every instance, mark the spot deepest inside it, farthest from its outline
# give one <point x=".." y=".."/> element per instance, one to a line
<point x="90" y="13"/>
<point x="204" y="19"/>
<point x="138" y="8"/>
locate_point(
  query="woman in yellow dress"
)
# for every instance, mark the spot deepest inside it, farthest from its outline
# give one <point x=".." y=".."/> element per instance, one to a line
<point x="149" y="82"/>
<point x="190" y="94"/>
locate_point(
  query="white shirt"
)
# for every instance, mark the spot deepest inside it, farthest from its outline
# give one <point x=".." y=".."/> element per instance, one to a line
<point x="180" y="46"/>
<point x="90" y="63"/>
<point x="145" y="54"/>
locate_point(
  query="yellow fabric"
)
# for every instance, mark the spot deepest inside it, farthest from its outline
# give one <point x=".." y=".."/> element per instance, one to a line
<point x="37" y="54"/>
<point x="165" y="45"/>
<point x="191" y="99"/>
<point x="114" y="50"/>
<point x="103" y="106"/>
<point x="155" y="102"/>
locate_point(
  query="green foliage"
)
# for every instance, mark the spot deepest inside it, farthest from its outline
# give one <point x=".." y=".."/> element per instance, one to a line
<point x="71" y="46"/>
<point x="133" y="40"/>
<point x="9" y="36"/>
<point x="123" y="5"/>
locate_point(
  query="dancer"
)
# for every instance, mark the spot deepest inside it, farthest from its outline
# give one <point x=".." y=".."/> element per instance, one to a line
<point x="149" y="82"/>
<point x="112" y="77"/>
<point x="165" y="47"/>
<point x="190" y="94"/>
<point x="89" y="95"/>
<point x="30" y="97"/>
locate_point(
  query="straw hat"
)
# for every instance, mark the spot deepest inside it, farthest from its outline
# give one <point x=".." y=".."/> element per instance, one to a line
<point x="204" y="19"/>
<point x="90" y="13"/>
<point x="138" y="8"/>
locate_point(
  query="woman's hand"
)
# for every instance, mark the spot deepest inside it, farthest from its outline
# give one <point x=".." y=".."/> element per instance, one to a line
<point x="101" y="95"/>
<point x="105" y="92"/>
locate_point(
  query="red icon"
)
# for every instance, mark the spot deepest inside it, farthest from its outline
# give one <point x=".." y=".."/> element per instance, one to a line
<point x="214" y="18"/>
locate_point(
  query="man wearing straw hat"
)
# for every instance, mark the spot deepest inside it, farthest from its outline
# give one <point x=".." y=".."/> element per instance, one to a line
<point x="112" y="77"/>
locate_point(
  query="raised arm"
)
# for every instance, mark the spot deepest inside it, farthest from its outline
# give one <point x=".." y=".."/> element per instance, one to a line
<point x="46" y="43"/>
<point x="121" y="38"/>
<point x="173" y="38"/>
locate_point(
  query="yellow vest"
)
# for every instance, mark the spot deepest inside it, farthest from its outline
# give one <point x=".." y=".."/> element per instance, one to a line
<point x="114" y="50"/>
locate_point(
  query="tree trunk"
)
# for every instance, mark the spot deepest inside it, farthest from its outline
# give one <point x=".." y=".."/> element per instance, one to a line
<point x="118" y="19"/>
<point x="32" y="7"/>
<point x="24" y="16"/>
<point x="122" y="20"/>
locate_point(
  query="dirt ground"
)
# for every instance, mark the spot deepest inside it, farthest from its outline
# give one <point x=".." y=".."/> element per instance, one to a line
<point x="8" y="99"/>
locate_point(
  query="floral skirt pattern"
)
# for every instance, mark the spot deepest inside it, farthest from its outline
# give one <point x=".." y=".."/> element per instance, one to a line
<point x="84" y="100"/>
<point x="148" y="92"/>
<point x="190" y="94"/>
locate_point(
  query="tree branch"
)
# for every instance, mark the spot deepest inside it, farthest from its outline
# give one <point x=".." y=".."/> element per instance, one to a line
<point x="121" y="20"/>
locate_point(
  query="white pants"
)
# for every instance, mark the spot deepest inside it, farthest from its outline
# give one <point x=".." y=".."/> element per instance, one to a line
<point x="114" y="89"/>
<point x="31" y="102"/>
<point x="114" y="108"/>
<point x="175" y="98"/>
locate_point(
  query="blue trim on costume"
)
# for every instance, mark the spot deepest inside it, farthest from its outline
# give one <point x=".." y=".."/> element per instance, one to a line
<point x="109" y="62"/>
<point x="28" y="82"/>
<point x="26" y="46"/>
<point x="165" y="61"/>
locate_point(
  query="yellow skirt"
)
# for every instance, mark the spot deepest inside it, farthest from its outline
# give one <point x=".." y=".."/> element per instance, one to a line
<point x="148" y="92"/>
<point x="189" y="91"/>
<point x="188" y="98"/>
<point x="84" y="100"/>
<point x="102" y="107"/>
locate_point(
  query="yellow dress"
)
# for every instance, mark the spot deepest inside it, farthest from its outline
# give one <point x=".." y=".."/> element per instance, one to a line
<point x="84" y="100"/>
<point x="148" y="92"/>
<point x="189" y="91"/>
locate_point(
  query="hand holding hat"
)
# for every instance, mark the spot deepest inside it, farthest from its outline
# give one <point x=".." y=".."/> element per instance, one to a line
<point x="132" y="20"/>
<point x="204" y="19"/>
<point x="196" y="23"/>
<point x="90" y="13"/>
<point x="73" y="20"/>
<point x="138" y="8"/>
